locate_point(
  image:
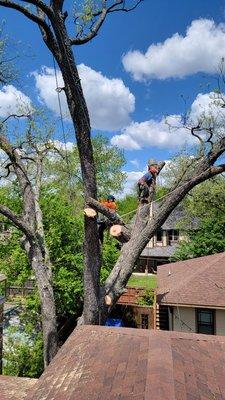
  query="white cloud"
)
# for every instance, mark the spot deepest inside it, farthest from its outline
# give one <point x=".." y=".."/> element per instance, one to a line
<point x="109" y="101"/>
<point x="165" y="134"/>
<point x="169" y="133"/>
<point x="131" y="181"/>
<point x="207" y="106"/>
<point x="200" y="50"/>
<point x="13" y="101"/>
<point x="68" y="146"/>
<point x="135" y="162"/>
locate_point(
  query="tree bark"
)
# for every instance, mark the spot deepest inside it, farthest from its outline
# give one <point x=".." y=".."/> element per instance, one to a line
<point x="81" y="122"/>
<point x="43" y="275"/>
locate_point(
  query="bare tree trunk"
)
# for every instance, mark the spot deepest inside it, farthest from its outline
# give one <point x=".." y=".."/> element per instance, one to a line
<point x="43" y="277"/>
<point x="81" y="122"/>
<point x="31" y="224"/>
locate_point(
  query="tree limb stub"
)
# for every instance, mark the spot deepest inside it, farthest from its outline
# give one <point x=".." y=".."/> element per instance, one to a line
<point x="120" y="232"/>
<point x="111" y="215"/>
<point x="90" y="212"/>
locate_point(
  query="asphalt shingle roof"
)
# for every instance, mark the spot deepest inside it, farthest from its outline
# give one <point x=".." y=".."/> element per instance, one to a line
<point x="198" y="282"/>
<point x="175" y="217"/>
<point x="14" y="388"/>
<point x="98" y="363"/>
<point x="159" y="251"/>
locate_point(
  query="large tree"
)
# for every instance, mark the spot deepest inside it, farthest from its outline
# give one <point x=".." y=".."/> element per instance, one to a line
<point x="52" y="21"/>
<point x="16" y="163"/>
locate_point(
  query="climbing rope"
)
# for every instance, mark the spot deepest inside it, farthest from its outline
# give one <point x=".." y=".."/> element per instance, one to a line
<point x="154" y="201"/>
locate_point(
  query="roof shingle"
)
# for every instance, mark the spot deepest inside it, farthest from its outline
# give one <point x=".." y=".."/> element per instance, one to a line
<point x="14" y="388"/>
<point x="98" y="363"/>
<point x="198" y="282"/>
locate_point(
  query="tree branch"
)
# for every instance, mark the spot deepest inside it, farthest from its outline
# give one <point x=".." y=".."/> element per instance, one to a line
<point x="93" y="32"/>
<point x="38" y="3"/>
<point x="102" y="15"/>
<point x="23" y="10"/>
<point x="17" y="221"/>
<point x="13" y="116"/>
<point x="111" y="215"/>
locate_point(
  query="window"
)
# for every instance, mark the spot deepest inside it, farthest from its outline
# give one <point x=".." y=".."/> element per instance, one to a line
<point x="159" y="235"/>
<point x="144" y="321"/>
<point x="205" y="321"/>
<point x="173" y="235"/>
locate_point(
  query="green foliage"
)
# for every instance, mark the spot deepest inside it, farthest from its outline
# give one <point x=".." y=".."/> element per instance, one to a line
<point x="64" y="175"/>
<point x="109" y="161"/>
<point x="207" y="204"/>
<point x="208" y="239"/>
<point x="30" y="316"/>
<point x="208" y="199"/>
<point x="161" y="191"/>
<point x="126" y="205"/>
<point x="84" y="14"/>
<point x="62" y="210"/>
<point x="23" y="354"/>
<point x="64" y="236"/>
<point x="147" y="299"/>
<point x="14" y="261"/>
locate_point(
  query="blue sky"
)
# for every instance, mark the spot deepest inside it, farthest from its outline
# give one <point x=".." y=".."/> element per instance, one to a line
<point x="148" y="87"/>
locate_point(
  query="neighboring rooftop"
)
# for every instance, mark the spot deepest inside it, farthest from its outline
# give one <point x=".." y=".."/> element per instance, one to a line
<point x="175" y="218"/>
<point x="198" y="282"/>
<point x="98" y="363"/>
<point x="160" y="251"/>
<point x="14" y="388"/>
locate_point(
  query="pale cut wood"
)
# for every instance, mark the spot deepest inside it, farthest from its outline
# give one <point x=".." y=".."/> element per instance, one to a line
<point x="90" y="212"/>
<point x="108" y="300"/>
<point x="120" y="232"/>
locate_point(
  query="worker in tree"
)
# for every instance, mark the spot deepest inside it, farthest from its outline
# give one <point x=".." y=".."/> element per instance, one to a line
<point x="109" y="202"/>
<point x="146" y="180"/>
<point x="103" y="222"/>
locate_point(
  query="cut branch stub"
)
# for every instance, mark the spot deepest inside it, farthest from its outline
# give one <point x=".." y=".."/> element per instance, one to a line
<point x="120" y="232"/>
<point x="107" y="212"/>
<point x="108" y="300"/>
<point x="90" y="212"/>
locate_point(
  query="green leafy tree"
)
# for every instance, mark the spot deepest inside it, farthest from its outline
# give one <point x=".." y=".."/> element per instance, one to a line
<point x="206" y="204"/>
<point x="208" y="239"/>
<point x="23" y="354"/>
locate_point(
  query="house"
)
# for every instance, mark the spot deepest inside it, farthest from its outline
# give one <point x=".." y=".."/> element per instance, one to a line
<point x="163" y="245"/>
<point x="98" y="363"/>
<point x="191" y="295"/>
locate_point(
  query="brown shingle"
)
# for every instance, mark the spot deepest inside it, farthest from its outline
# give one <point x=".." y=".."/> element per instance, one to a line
<point x="99" y="363"/>
<point x="14" y="388"/>
<point x="199" y="282"/>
